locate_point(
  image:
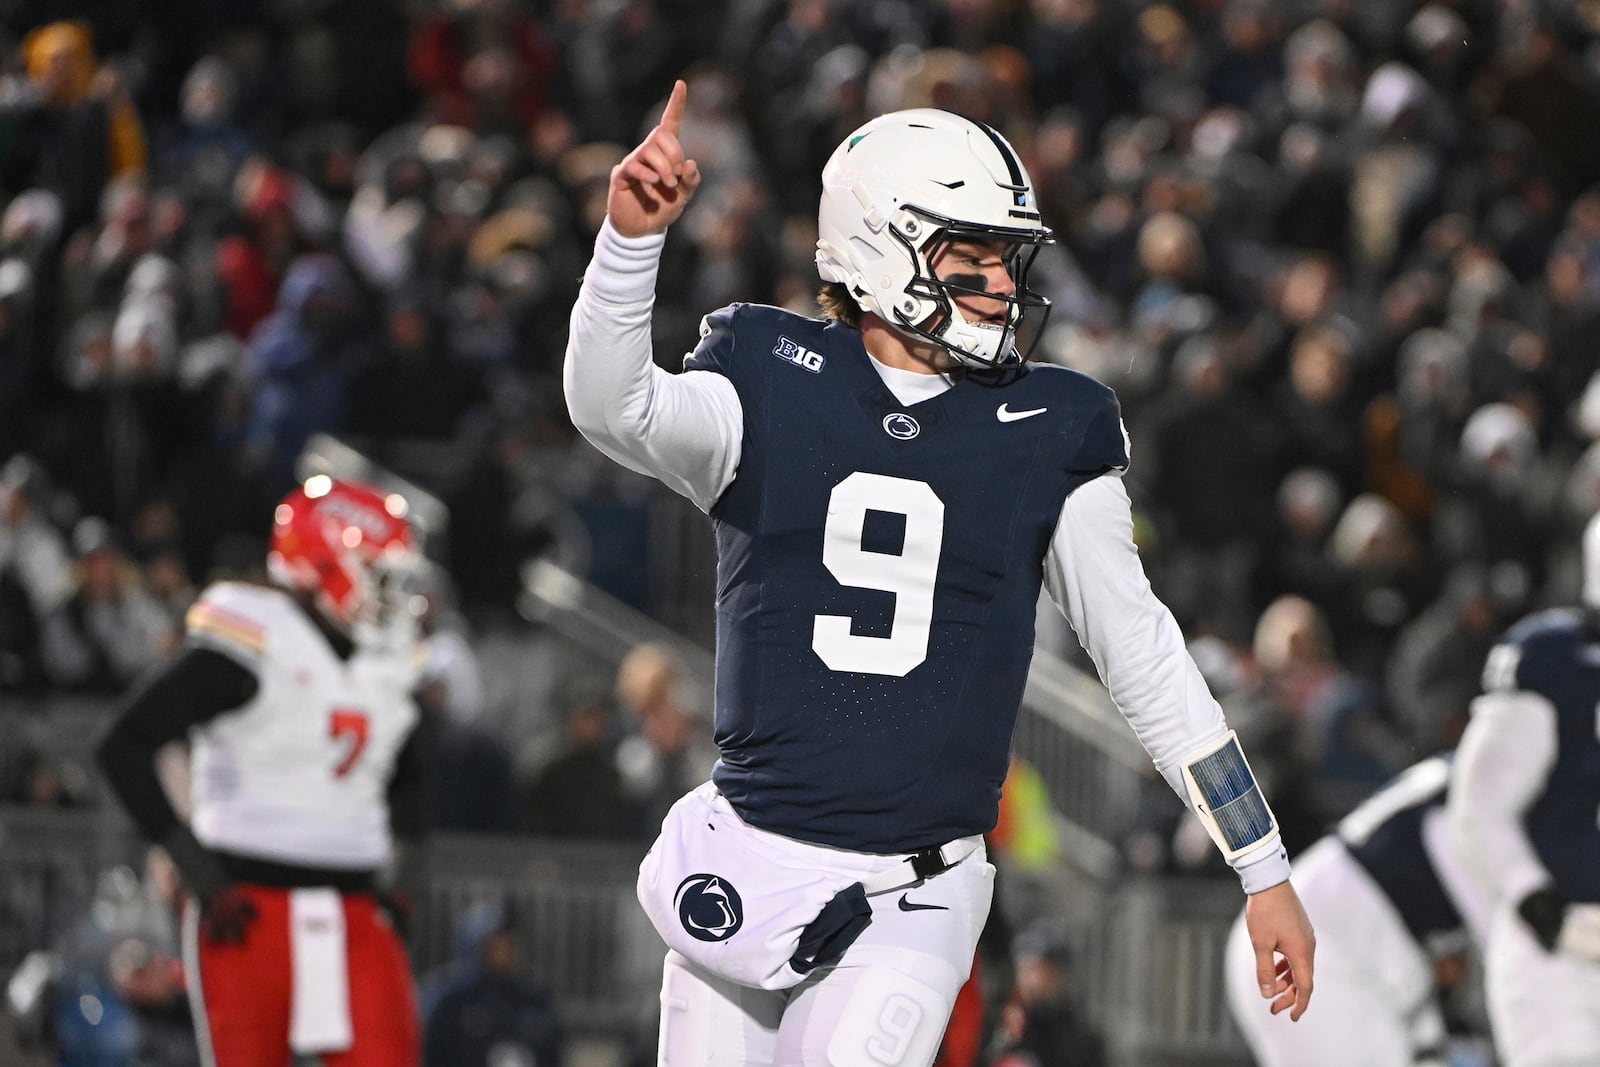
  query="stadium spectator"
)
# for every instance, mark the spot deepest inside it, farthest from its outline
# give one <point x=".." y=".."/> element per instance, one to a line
<point x="414" y="387"/>
<point x="111" y="993"/>
<point x="666" y="748"/>
<point x="303" y="357"/>
<point x="110" y="630"/>
<point x="1433" y="669"/>
<point x="1043" y="1024"/>
<point x="486" y="65"/>
<point x="71" y="123"/>
<point x="35" y="572"/>
<point x="1211" y="530"/>
<point x="470" y="782"/>
<point x="578" y="792"/>
<point x="1295" y="560"/>
<point x="483" y="1008"/>
<point x="1339" y="727"/>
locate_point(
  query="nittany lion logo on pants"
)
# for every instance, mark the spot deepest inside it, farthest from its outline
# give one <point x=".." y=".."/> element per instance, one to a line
<point x="708" y="907"/>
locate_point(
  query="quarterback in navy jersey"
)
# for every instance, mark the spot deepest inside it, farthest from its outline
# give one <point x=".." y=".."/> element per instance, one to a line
<point x="890" y="488"/>
<point x="1526" y="810"/>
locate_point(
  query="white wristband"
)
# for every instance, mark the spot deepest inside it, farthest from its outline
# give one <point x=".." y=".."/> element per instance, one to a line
<point x="1264" y="868"/>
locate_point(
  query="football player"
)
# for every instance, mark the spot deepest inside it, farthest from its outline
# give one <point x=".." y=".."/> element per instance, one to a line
<point x="295" y="701"/>
<point x="889" y="488"/>
<point x="1525" y="806"/>
<point x="1396" y="912"/>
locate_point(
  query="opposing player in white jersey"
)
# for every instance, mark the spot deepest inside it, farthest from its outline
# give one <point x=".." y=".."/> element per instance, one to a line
<point x="1396" y="913"/>
<point x="1526" y="809"/>
<point x="295" y="701"/>
<point x="890" y="490"/>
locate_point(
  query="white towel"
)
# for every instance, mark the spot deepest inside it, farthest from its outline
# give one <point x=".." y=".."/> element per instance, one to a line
<point x="319" y="1015"/>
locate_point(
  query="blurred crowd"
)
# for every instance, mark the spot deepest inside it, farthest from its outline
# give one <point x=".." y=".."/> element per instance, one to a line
<point x="1340" y="261"/>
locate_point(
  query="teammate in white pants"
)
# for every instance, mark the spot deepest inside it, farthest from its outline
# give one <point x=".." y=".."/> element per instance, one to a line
<point x="1526" y="810"/>
<point x="1394" y="911"/>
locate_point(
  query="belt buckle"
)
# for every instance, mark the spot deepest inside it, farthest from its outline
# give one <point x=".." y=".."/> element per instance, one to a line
<point x="929" y="862"/>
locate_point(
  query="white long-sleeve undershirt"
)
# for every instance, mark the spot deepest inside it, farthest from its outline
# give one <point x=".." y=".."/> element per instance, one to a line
<point x="1502" y="764"/>
<point x="687" y="429"/>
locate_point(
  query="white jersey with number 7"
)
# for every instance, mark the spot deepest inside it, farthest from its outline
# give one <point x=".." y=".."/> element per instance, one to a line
<point x="298" y="774"/>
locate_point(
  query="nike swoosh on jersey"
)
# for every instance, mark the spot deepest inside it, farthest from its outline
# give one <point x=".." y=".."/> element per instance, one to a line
<point x="1005" y="414"/>
<point x="906" y="905"/>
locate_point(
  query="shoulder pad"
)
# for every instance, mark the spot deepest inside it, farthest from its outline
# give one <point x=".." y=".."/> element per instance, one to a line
<point x="233" y="617"/>
<point x="1093" y="405"/>
<point x="758" y="327"/>
<point x="1534" y="640"/>
<point x="714" y="351"/>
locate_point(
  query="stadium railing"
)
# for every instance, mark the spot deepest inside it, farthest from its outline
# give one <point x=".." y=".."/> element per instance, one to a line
<point x="1068" y="728"/>
<point x="1146" y="961"/>
<point x="1147" y="952"/>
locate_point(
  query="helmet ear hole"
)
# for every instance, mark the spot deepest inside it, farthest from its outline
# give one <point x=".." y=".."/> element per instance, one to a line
<point x="866" y="251"/>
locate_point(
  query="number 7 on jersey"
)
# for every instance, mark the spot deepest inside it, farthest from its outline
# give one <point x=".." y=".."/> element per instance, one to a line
<point x="349" y="726"/>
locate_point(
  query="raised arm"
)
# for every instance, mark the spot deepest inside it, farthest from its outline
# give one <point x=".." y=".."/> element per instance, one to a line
<point x="684" y="429"/>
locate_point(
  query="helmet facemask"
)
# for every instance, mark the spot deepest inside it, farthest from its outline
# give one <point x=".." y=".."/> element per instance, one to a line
<point x="392" y="600"/>
<point x="976" y="344"/>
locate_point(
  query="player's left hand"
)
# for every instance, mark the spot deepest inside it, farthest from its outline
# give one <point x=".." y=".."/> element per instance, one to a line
<point x="226" y="915"/>
<point x="1278" y="927"/>
<point x="654" y="183"/>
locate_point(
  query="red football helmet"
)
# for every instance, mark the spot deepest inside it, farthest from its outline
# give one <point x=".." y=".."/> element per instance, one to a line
<point x="349" y="547"/>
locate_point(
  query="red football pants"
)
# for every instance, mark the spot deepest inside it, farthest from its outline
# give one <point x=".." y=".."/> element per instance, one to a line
<point x="241" y="993"/>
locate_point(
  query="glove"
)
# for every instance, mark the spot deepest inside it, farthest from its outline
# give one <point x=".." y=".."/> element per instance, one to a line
<point x="1572" y="930"/>
<point x="225" y="912"/>
<point x="226" y="915"/>
<point x="1543" y="910"/>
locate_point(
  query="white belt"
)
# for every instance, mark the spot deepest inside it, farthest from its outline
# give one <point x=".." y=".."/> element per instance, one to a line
<point x="919" y="866"/>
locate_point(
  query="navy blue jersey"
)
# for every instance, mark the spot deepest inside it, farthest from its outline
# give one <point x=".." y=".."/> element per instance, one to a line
<point x="878" y="570"/>
<point x="1557" y="655"/>
<point x="1384" y="834"/>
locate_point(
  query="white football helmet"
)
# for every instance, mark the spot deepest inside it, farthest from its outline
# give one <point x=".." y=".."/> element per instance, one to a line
<point x="908" y="182"/>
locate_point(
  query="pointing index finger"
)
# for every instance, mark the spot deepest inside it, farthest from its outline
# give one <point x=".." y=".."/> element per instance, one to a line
<point x="672" y="117"/>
